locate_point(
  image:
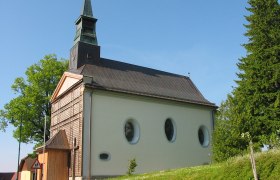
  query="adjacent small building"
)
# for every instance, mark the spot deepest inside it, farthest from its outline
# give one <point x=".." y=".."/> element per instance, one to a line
<point x="25" y="168"/>
<point x="106" y="112"/>
<point x="8" y="176"/>
<point x="54" y="158"/>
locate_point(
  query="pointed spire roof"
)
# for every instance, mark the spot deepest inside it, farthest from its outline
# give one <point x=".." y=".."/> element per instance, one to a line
<point x="85" y="49"/>
<point x="85" y="25"/>
<point x="59" y="141"/>
<point x="87" y="9"/>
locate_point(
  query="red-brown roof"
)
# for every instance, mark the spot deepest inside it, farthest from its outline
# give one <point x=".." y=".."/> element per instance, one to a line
<point x="26" y="163"/>
<point x="59" y="142"/>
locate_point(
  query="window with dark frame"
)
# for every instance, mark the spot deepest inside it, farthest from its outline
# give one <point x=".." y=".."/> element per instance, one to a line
<point x="129" y="131"/>
<point x="169" y="130"/>
<point x="201" y="136"/>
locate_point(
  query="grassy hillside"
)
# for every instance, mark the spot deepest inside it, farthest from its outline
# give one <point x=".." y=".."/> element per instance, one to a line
<point x="268" y="167"/>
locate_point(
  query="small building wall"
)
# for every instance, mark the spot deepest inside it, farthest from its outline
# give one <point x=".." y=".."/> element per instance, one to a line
<point x="110" y="111"/>
<point x="43" y="159"/>
<point x="55" y="165"/>
<point x="26" y="168"/>
<point x="26" y="175"/>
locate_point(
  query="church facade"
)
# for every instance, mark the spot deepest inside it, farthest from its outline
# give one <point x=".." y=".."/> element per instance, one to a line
<point x="106" y="112"/>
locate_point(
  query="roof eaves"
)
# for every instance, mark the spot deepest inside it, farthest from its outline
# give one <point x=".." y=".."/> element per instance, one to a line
<point x="152" y="95"/>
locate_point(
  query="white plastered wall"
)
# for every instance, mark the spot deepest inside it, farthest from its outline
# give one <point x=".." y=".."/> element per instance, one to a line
<point x="153" y="152"/>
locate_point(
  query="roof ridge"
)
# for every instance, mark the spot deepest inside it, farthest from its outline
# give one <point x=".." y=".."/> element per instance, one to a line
<point x="82" y="68"/>
<point x="143" y="67"/>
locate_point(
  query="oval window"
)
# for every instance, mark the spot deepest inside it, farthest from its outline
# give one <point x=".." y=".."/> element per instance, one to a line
<point x="131" y="131"/>
<point x="203" y="136"/>
<point x="169" y="130"/>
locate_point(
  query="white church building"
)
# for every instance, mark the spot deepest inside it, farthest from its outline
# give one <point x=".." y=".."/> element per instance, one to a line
<point x="107" y="112"/>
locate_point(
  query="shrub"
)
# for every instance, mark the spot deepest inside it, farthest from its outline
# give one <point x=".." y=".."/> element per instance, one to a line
<point x="131" y="166"/>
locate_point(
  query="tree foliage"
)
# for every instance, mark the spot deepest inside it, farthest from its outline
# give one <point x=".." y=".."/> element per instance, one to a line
<point x="227" y="141"/>
<point x="254" y="106"/>
<point x="33" y="100"/>
<point x="258" y="92"/>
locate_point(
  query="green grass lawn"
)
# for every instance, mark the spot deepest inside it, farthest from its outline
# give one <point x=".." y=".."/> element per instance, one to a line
<point x="268" y="167"/>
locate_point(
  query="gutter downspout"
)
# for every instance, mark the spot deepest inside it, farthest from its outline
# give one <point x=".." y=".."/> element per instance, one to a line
<point x="89" y="128"/>
<point x="212" y="131"/>
<point x="213" y="120"/>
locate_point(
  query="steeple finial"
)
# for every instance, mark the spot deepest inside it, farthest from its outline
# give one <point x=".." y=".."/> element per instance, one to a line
<point x="87" y="9"/>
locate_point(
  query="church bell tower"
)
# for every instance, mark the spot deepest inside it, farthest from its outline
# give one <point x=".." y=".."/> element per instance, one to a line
<point x="85" y="49"/>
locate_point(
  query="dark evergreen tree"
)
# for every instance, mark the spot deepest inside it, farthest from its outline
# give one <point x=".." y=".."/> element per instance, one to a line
<point x="254" y="106"/>
<point x="257" y="95"/>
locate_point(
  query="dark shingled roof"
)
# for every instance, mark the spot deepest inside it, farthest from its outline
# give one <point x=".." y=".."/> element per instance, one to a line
<point x="122" y="77"/>
<point x="7" y="176"/>
<point x="58" y="141"/>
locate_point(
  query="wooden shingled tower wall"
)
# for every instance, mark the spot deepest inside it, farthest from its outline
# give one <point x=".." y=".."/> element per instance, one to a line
<point x="67" y="115"/>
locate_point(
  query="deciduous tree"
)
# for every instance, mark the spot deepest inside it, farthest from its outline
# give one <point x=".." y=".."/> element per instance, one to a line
<point x="227" y="141"/>
<point x="33" y="99"/>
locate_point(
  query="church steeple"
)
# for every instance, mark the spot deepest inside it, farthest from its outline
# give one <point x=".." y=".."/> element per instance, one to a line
<point x="85" y="25"/>
<point x="85" y="49"/>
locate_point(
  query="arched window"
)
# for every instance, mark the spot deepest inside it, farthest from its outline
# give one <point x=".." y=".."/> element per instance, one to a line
<point x="170" y="130"/>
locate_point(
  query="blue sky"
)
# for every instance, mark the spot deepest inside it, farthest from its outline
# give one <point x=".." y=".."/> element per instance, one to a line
<point x="199" y="37"/>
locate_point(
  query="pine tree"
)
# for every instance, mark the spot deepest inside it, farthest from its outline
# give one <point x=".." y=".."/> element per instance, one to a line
<point x="254" y="105"/>
<point x="257" y="95"/>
